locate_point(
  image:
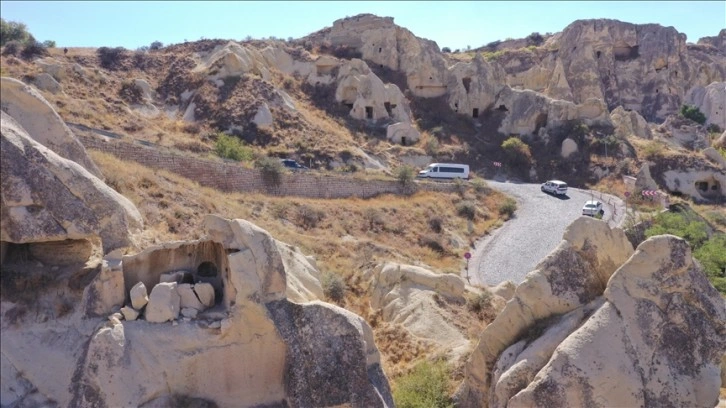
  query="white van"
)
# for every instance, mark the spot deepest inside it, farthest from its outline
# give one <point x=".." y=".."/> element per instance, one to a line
<point x="445" y="171"/>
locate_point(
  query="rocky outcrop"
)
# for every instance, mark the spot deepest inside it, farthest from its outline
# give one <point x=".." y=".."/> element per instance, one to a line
<point x="45" y="82"/>
<point x="718" y="42"/>
<point x="46" y="197"/>
<point x="273" y="350"/>
<point x="645" y="68"/>
<point x="381" y="42"/>
<point x="683" y="133"/>
<point x="367" y="96"/>
<point x="629" y="123"/>
<point x="472" y="87"/>
<point x="609" y="334"/>
<point x="31" y="111"/>
<point x="402" y="133"/>
<point x="572" y="276"/>
<point x="527" y="112"/>
<point x="407" y="295"/>
<point x="711" y="101"/>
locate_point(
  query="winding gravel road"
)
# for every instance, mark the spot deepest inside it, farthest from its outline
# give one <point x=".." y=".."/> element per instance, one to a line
<point x="513" y="250"/>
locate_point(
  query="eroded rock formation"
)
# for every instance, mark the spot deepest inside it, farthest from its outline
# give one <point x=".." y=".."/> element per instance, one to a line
<point x="264" y="341"/>
<point x="593" y="325"/>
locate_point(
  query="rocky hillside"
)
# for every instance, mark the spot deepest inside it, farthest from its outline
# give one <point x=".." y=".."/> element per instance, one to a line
<point x="368" y="94"/>
<point x="120" y="289"/>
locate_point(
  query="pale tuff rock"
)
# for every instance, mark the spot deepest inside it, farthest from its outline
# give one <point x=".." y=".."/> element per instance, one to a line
<point x="233" y="60"/>
<point x="629" y="123"/>
<point x="643" y="180"/>
<point x="263" y="117"/>
<point x="45" y="82"/>
<point x="199" y="296"/>
<point x="718" y="42"/>
<point x="632" y="344"/>
<point x="573" y="275"/>
<point x="569" y="147"/>
<point x="402" y="133"/>
<point x="52" y="67"/>
<point x="721" y="141"/>
<point x="405" y="295"/>
<point x="711" y="101"/>
<point x="105" y="292"/>
<point x="129" y="313"/>
<point x="139" y="297"/>
<point x="34" y="114"/>
<point x="49" y="198"/>
<point x="714" y="156"/>
<point x="528" y="112"/>
<point x="147" y="93"/>
<point x="704" y="183"/>
<point x="645" y="346"/>
<point x="683" y="133"/>
<point x="473" y="86"/>
<point x="275" y="351"/>
<point x="369" y="96"/>
<point x="164" y="303"/>
<point x="505" y="290"/>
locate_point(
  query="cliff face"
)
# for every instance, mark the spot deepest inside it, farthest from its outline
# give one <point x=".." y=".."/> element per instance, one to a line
<point x="647" y="68"/>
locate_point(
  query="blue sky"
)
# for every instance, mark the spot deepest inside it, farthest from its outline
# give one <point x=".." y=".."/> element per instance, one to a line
<point x="450" y="24"/>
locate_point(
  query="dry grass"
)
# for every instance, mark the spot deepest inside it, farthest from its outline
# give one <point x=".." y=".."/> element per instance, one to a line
<point x="347" y="236"/>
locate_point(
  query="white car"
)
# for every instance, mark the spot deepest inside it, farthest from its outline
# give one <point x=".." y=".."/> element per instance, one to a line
<point x="556" y="187"/>
<point x="592" y="208"/>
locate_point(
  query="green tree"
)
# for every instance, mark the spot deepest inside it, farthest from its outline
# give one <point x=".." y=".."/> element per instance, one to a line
<point x="676" y="224"/>
<point x="712" y="256"/>
<point x="517" y="150"/>
<point x="693" y="113"/>
<point x="230" y="147"/>
<point x="49" y="44"/>
<point x="14" y="31"/>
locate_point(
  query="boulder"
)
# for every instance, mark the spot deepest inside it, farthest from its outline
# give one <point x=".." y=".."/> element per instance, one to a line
<point x="711" y="101"/>
<point x="718" y="42"/>
<point x="139" y="296"/>
<point x="205" y="294"/>
<point x="188" y="297"/>
<point x="45" y="82"/>
<point x="46" y="197"/>
<point x="53" y="68"/>
<point x="34" y="114"/>
<point x="164" y="303"/>
<point x="402" y="133"/>
<point x="263" y="117"/>
<point x="147" y="93"/>
<point x="129" y="313"/>
<point x="106" y="292"/>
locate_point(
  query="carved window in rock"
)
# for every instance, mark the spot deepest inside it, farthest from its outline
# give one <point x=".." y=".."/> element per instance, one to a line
<point x="369" y="112"/>
<point x="475" y="113"/>
<point x="207" y="269"/>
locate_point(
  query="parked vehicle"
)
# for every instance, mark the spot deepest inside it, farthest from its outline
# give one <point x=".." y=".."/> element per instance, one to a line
<point x="292" y="164"/>
<point x="556" y="187"/>
<point x="445" y="171"/>
<point x="592" y="208"/>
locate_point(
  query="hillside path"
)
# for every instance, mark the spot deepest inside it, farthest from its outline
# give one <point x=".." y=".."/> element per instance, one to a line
<point x="513" y="250"/>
